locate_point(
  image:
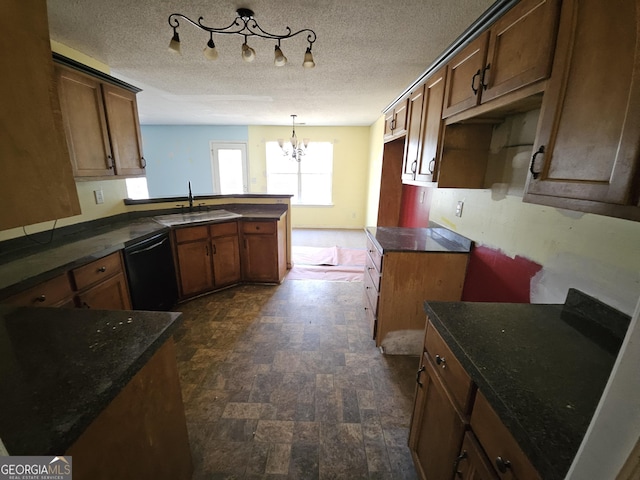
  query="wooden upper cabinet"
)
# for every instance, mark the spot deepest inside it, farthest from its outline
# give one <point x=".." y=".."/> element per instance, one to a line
<point x="515" y="52"/>
<point x="588" y="136"/>
<point x="101" y="126"/>
<point x="412" y="144"/>
<point x="124" y="130"/>
<point x="85" y="123"/>
<point x="465" y="77"/>
<point x="36" y="181"/>
<point x="431" y="127"/>
<point x="395" y="121"/>
<point x="521" y="47"/>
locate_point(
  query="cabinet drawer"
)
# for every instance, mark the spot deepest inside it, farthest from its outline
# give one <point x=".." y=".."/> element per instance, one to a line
<point x="222" y="229"/>
<point x="498" y="442"/>
<point x="374" y="253"/>
<point x="52" y="293"/>
<point x="453" y="375"/>
<point x="191" y="233"/>
<point x="371" y="292"/>
<point x="97" y="271"/>
<point x="259" y="227"/>
<point x="373" y="272"/>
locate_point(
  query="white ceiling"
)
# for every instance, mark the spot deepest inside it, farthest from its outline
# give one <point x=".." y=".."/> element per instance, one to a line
<point x="367" y="52"/>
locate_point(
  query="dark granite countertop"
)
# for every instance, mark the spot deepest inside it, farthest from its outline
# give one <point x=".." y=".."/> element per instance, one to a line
<point x="403" y="239"/>
<point x="62" y="367"/>
<point x="542" y="368"/>
<point x="48" y="261"/>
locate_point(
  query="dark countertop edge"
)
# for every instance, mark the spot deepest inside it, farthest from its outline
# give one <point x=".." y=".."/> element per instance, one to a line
<point x="103" y="400"/>
<point x="248" y="212"/>
<point x="145" y="201"/>
<point x="535" y="455"/>
<point x="449" y="234"/>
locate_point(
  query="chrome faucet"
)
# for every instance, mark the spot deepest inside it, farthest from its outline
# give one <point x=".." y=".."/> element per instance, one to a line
<point x="190" y="198"/>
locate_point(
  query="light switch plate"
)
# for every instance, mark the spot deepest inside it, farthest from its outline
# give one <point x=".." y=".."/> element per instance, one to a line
<point x="99" y="196"/>
<point x="459" y="208"/>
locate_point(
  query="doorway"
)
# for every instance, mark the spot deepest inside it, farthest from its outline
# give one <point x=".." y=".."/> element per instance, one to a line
<point x="229" y="168"/>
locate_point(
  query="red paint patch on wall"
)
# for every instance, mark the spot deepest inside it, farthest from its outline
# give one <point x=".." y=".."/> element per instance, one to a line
<point x="493" y="276"/>
<point x="416" y="203"/>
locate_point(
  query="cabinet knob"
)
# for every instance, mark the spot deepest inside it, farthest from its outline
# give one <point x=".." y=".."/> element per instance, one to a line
<point x="110" y="162"/>
<point x="41" y="298"/>
<point x="441" y="361"/>
<point x="502" y="465"/>
<point x="102" y="269"/>
<point x="432" y="164"/>
<point x="143" y="162"/>
<point x="484" y="76"/>
<point x="414" y="166"/>
<point x="456" y="464"/>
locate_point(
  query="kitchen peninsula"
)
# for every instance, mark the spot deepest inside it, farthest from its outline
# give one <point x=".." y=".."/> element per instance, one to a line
<point x="101" y="386"/>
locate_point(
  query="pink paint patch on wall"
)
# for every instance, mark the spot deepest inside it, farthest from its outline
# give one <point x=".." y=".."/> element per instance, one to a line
<point x="493" y="276"/>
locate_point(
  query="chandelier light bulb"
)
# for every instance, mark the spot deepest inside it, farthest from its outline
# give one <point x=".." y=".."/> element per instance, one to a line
<point x="248" y="53"/>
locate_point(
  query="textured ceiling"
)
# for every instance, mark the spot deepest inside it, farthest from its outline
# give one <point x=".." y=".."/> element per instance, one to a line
<point x="367" y="52"/>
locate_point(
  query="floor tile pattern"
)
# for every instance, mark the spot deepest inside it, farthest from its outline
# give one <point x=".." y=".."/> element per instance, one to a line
<point x="284" y="382"/>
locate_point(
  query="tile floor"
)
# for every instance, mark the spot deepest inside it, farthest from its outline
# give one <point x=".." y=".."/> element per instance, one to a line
<point x="284" y="382"/>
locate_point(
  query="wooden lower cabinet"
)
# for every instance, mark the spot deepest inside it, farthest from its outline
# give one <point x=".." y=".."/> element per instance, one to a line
<point x="264" y="251"/>
<point x="454" y="432"/>
<point x="110" y="294"/>
<point x="142" y="433"/>
<point x="102" y="284"/>
<point x="437" y="426"/>
<point x="195" y="271"/>
<point x="472" y="463"/>
<point x="207" y="257"/>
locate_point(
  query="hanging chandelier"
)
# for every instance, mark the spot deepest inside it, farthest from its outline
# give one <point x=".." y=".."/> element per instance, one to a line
<point x="245" y="25"/>
<point x="298" y="149"/>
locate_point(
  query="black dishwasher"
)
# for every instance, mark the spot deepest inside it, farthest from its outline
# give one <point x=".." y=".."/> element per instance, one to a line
<point x="151" y="274"/>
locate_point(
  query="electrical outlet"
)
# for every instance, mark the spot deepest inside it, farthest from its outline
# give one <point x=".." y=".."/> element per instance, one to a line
<point x="459" y="208"/>
<point x="99" y="196"/>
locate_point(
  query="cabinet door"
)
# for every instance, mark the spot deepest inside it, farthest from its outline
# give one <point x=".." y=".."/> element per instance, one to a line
<point x="124" y="130"/>
<point x="472" y="463"/>
<point x="465" y="77"/>
<point x="111" y="294"/>
<point x="260" y="258"/>
<point x="587" y="140"/>
<point x="36" y="180"/>
<point x="521" y="46"/>
<point x="85" y="123"/>
<point x="194" y="267"/>
<point x="400" y="124"/>
<point x="437" y="427"/>
<point x="432" y="127"/>
<point x="412" y="145"/>
<point x="226" y="260"/>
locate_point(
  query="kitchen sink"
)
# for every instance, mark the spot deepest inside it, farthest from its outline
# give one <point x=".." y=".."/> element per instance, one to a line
<point x="195" y="217"/>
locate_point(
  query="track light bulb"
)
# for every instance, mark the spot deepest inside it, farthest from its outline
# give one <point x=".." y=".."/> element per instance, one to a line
<point x="174" y="44"/>
<point x="279" y="59"/>
<point x="210" y="52"/>
<point x="248" y="53"/>
<point x="308" y="59"/>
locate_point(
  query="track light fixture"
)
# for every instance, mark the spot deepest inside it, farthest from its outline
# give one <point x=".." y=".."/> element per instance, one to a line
<point x="298" y="148"/>
<point x="244" y="24"/>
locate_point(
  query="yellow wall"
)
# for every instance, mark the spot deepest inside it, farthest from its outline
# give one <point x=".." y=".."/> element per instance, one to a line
<point x="350" y="173"/>
<point x="376" y="146"/>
